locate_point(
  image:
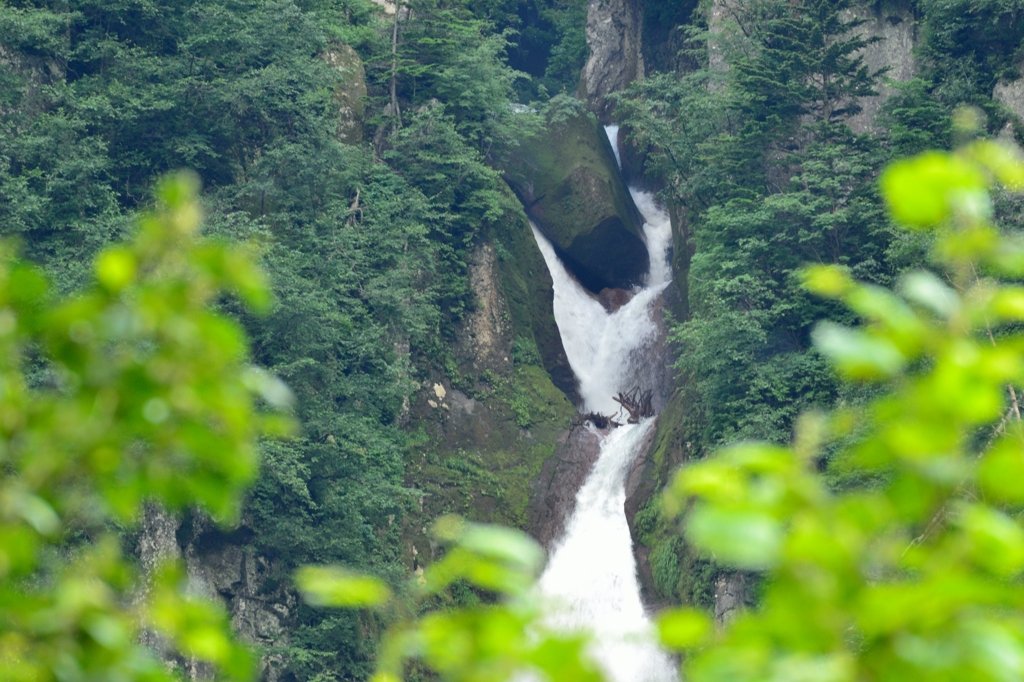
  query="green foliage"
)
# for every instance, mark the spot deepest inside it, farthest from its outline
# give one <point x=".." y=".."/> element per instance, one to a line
<point x="462" y="190"/>
<point x="367" y="260"/>
<point x="525" y="352"/>
<point x="548" y="42"/>
<point x="664" y="560"/>
<point x="916" y="574"/>
<point x="969" y="45"/>
<point x="155" y="401"/>
<point x="569" y="48"/>
<point x="518" y="403"/>
<point x="495" y="641"/>
<point x="746" y="345"/>
<point x="915" y="120"/>
<point x="769" y="177"/>
<point x="333" y="586"/>
<point x="448" y="55"/>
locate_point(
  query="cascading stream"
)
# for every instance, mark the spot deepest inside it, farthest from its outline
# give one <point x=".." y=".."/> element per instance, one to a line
<point x="591" y="575"/>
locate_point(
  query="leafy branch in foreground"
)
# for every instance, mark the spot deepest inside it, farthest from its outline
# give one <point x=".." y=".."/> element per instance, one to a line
<point x="484" y="643"/>
<point x="147" y="396"/>
<point x="915" y="574"/>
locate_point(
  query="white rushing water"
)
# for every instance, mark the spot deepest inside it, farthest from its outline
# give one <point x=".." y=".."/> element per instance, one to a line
<point x="591" y="575"/>
<point x="613" y="136"/>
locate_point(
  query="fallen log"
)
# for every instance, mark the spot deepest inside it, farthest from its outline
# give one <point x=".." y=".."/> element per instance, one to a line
<point x="637" y="403"/>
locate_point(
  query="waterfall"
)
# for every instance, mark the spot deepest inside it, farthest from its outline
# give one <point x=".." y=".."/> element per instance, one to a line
<point x="591" y="576"/>
<point x="612" y="132"/>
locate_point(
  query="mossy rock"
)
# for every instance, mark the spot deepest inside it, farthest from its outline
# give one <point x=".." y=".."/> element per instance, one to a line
<point x="481" y="452"/>
<point x="529" y="296"/>
<point x="485" y="423"/>
<point x="567" y="179"/>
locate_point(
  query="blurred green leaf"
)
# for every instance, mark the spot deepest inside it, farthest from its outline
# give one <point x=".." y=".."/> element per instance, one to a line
<point x="924" y="190"/>
<point x="857" y="354"/>
<point x="827" y="280"/>
<point x="925" y="289"/>
<point x="1001" y="471"/>
<point x="683" y="628"/>
<point x="741" y="538"/>
<point x="997" y="542"/>
<point x="335" y="586"/>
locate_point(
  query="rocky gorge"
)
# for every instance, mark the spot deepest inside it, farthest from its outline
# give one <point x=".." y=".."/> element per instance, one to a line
<point x="501" y="440"/>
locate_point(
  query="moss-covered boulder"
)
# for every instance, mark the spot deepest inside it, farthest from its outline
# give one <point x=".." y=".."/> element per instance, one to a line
<point x="569" y="183"/>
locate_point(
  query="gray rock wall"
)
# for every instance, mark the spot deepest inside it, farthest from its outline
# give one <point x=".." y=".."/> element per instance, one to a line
<point x="895" y="51"/>
<point x="350" y="92"/>
<point x="221" y="566"/>
<point x="1011" y="95"/>
<point x="614" y="30"/>
<point x="731" y="596"/>
<point x="895" y="29"/>
<point x="486" y="336"/>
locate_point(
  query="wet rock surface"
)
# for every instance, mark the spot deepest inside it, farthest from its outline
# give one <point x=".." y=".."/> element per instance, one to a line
<point x="553" y="492"/>
<point x="731" y="594"/>
<point x="613" y="299"/>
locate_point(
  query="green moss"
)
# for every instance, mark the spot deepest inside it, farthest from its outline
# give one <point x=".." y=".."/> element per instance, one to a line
<point x="550" y="413"/>
<point x="526" y="286"/>
<point x="525" y="352"/>
<point x="488" y="480"/>
<point x="664" y="559"/>
<point x="567" y="177"/>
<point x="554" y="161"/>
<point x="670" y="446"/>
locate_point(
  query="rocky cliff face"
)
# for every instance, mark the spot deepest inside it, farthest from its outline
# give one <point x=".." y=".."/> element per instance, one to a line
<point x="38" y="73"/>
<point x="501" y="410"/>
<point x="614" y="34"/>
<point x="350" y="92"/>
<point x="221" y="567"/>
<point x="895" y="30"/>
<point x="1010" y="93"/>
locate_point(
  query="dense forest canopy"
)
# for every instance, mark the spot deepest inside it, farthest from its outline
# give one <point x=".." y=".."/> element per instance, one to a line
<point x="365" y="243"/>
<point x="360" y="148"/>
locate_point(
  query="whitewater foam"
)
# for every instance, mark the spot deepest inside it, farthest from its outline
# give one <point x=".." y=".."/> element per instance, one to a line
<point x="590" y="580"/>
